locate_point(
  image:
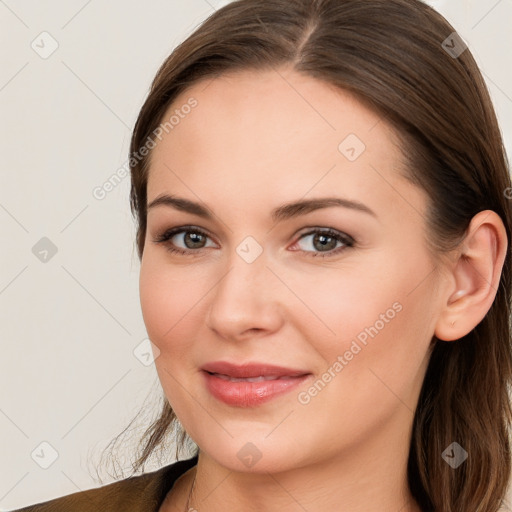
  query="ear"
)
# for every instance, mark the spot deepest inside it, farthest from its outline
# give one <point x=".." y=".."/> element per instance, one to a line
<point x="476" y="275"/>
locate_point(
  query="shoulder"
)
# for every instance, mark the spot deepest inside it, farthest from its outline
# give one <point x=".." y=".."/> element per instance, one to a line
<point x="144" y="493"/>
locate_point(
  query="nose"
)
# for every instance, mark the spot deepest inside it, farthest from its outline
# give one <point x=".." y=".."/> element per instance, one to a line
<point x="247" y="301"/>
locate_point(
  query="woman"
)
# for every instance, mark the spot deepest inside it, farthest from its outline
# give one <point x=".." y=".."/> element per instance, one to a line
<point x="321" y="194"/>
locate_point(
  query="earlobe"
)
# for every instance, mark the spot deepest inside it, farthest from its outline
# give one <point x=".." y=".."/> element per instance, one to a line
<point x="476" y="275"/>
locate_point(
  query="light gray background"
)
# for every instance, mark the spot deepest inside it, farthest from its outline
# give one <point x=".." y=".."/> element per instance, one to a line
<point x="69" y="326"/>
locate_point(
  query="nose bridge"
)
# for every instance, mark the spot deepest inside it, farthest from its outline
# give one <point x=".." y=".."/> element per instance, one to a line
<point x="244" y="298"/>
<point x="247" y="272"/>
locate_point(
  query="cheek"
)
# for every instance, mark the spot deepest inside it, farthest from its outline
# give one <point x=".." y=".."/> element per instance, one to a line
<point x="170" y="302"/>
<point x="374" y="366"/>
<point x="338" y="304"/>
<point x="380" y="318"/>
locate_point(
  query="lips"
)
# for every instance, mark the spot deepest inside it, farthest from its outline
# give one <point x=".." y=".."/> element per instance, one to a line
<point x="251" y="379"/>
<point x="251" y="370"/>
<point x="250" y="384"/>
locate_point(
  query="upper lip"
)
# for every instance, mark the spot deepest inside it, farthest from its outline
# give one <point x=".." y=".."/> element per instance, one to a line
<point x="248" y="370"/>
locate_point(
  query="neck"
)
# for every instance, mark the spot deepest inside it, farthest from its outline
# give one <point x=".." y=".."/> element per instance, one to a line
<point x="371" y="476"/>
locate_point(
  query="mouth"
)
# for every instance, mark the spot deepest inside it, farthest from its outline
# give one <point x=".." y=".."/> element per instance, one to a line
<point x="252" y="379"/>
<point x="251" y="384"/>
<point x="251" y="370"/>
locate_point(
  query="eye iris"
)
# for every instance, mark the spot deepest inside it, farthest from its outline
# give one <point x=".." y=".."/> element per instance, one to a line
<point x="195" y="237"/>
<point x="322" y="239"/>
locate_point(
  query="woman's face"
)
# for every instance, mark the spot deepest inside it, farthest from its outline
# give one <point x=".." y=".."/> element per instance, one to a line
<point x="353" y="310"/>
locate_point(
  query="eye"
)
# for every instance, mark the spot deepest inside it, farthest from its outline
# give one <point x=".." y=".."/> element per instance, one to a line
<point x="325" y="241"/>
<point x="194" y="239"/>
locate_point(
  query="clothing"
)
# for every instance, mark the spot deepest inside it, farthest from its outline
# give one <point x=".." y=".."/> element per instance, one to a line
<point x="142" y="493"/>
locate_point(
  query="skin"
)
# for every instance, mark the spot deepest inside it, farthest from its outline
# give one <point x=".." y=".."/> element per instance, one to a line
<point x="257" y="140"/>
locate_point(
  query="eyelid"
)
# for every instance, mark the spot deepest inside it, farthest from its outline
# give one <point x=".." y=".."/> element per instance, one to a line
<point x="347" y="240"/>
<point x="165" y="234"/>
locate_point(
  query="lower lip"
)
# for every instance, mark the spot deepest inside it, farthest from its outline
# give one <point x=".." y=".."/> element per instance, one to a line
<point x="249" y="394"/>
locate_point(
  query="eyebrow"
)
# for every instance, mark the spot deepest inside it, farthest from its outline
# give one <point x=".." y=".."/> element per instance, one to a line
<point x="279" y="214"/>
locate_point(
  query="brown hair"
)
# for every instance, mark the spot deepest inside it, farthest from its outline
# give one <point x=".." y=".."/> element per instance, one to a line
<point x="390" y="55"/>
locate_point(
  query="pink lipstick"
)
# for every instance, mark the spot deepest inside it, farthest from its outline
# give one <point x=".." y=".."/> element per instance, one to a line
<point x="250" y="384"/>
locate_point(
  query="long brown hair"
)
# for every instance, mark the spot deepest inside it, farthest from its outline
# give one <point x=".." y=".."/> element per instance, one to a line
<point x="405" y="61"/>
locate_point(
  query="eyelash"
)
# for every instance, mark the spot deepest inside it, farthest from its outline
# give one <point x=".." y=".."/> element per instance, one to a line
<point x="347" y="240"/>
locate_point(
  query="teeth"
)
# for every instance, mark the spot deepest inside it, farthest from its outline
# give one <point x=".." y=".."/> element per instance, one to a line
<point x="251" y="379"/>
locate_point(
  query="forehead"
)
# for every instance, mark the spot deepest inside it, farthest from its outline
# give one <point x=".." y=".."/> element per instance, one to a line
<point x="276" y="108"/>
<point x="254" y="132"/>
